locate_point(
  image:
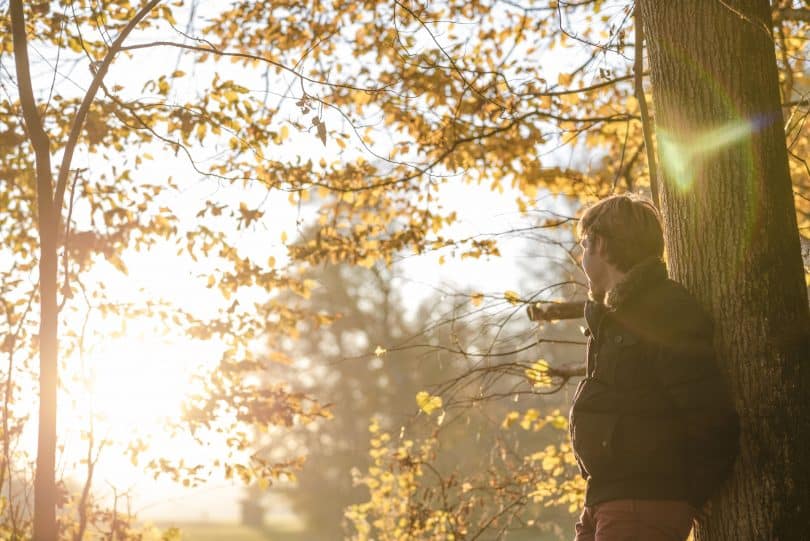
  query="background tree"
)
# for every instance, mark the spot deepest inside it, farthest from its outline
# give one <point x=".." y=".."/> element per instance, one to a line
<point x="337" y="364"/>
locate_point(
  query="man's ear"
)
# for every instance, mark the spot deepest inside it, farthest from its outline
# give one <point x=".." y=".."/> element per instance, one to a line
<point x="599" y="246"/>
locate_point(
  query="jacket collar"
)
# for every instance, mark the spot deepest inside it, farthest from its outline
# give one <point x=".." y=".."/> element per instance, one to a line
<point x="640" y="278"/>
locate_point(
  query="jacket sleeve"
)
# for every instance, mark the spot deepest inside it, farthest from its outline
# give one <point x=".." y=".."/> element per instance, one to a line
<point x="582" y="470"/>
<point x="688" y="371"/>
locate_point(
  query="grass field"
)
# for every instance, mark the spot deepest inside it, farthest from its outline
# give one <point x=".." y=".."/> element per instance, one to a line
<point x="234" y="532"/>
<point x="231" y="532"/>
<point x="217" y="532"/>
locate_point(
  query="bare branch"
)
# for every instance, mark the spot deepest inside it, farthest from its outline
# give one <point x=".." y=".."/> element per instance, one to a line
<point x="548" y="311"/>
<point x="646" y="125"/>
<point x="218" y="52"/>
<point x="590" y="88"/>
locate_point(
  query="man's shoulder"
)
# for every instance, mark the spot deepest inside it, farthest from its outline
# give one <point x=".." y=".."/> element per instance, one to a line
<point x="675" y="295"/>
<point x="672" y="308"/>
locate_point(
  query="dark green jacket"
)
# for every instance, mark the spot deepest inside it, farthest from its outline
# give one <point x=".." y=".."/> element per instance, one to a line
<point x="653" y="418"/>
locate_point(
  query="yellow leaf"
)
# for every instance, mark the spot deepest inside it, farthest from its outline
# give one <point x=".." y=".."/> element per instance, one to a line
<point x="367" y="261"/>
<point x="282" y="134"/>
<point x="512" y="297"/>
<point x="428" y="403"/>
<point x="510" y="419"/>
<point x="549" y="462"/>
<point x="361" y="98"/>
<point x="538" y="374"/>
<point x="476" y="299"/>
<point x="564" y="79"/>
<point x="380" y="351"/>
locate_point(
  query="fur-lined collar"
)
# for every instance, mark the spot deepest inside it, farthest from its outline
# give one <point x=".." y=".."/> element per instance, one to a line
<point x="639" y="278"/>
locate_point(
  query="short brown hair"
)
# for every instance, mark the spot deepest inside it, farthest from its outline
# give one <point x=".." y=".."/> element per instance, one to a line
<point x="630" y="227"/>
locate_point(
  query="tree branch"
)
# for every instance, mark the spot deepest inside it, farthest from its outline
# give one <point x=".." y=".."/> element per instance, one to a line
<point x="78" y="122"/>
<point x="791" y="14"/>
<point x="646" y="125"/>
<point x="246" y="56"/>
<point x="548" y="311"/>
<point x="33" y="121"/>
<point x="570" y="91"/>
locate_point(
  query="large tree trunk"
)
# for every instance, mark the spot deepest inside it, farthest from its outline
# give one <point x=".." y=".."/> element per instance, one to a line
<point x="732" y="239"/>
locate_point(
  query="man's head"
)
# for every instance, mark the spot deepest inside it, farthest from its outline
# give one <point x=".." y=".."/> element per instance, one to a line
<point x="617" y="233"/>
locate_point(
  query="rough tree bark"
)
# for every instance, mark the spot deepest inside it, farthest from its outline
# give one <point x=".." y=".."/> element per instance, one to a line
<point x="732" y="239"/>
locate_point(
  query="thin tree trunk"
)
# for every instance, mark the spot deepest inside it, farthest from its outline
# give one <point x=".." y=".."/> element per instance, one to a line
<point x="732" y="239"/>
<point x="49" y="211"/>
<point x="44" y="482"/>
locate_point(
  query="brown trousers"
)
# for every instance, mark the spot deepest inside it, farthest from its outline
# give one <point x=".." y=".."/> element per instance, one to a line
<point x="636" y="520"/>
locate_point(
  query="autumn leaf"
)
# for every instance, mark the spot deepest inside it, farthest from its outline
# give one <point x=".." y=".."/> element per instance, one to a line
<point x="428" y="403"/>
<point x="510" y="419"/>
<point x="282" y="135"/>
<point x="537" y="374"/>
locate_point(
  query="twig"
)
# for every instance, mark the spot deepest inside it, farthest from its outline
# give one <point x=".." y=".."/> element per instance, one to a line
<point x="6" y="404"/>
<point x="646" y="125"/>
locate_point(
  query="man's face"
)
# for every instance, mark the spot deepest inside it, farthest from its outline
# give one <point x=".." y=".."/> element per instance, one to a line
<point x="594" y="261"/>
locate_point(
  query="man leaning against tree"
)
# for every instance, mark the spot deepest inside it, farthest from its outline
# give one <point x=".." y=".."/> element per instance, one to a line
<point x="652" y="425"/>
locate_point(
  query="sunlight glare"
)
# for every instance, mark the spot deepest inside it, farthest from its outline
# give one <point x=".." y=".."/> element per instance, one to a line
<point x="133" y="387"/>
<point x="678" y="158"/>
<point x="136" y="384"/>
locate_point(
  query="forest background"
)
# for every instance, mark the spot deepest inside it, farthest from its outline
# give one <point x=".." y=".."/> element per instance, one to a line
<point x="293" y="244"/>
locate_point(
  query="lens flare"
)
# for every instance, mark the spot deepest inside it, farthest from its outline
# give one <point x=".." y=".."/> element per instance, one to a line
<point x="679" y="157"/>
